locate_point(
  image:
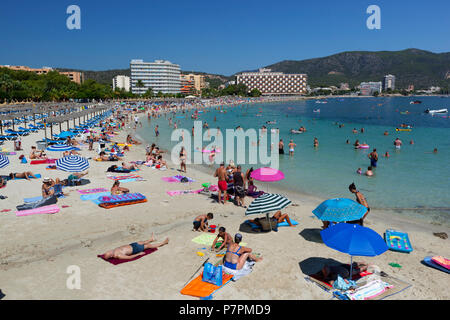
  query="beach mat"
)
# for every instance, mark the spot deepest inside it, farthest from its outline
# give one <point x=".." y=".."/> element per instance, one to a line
<point x="115" y="261"/>
<point x="207" y="239"/>
<point x="45" y="209"/>
<point x="430" y="263"/>
<point x="90" y="191"/>
<point x="397" y="241"/>
<point x="200" y="289"/>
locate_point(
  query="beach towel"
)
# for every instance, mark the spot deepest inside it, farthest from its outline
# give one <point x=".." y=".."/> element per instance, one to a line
<point x="131" y="180"/>
<point x="115" y="261"/>
<point x="38" y="175"/>
<point x="255" y="226"/>
<point x="201" y="289"/>
<point x="90" y="191"/>
<point x="40" y="203"/>
<point x="120" y="178"/>
<point x="207" y="239"/>
<point x="42" y="161"/>
<point x="180" y="192"/>
<point x="176" y="178"/>
<point x="369" y="291"/>
<point x="237" y="274"/>
<point x="94" y="196"/>
<point x="44" y="209"/>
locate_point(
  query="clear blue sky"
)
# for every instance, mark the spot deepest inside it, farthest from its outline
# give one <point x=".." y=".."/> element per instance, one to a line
<point x="212" y="36"/>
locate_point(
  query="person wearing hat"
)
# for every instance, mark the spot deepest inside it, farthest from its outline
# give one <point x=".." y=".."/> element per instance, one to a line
<point x="237" y="255"/>
<point x="47" y="190"/>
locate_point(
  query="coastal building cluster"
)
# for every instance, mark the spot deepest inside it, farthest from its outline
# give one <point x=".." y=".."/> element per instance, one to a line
<point x="74" y="76"/>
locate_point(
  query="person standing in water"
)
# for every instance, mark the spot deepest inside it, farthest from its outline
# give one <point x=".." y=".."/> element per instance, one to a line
<point x="291" y="146"/>
<point x="281" y="147"/>
<point x="316" y="142"/>
<point x="157" y="130"/>
<point x="398" y="143"/>
<point x="373" y="156"/>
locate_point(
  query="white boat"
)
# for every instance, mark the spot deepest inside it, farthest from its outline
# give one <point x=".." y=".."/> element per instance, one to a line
<point x="436" y="111"/>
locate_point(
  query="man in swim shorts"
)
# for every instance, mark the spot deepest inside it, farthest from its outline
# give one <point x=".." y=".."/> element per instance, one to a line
<point x="361" y="200"/>
<point x="373" y="156"/>
<point x="133" y="250"/>
<point x="398" y="143"/>
<point x="281" y="147"/>
<point x="222" y="183"/>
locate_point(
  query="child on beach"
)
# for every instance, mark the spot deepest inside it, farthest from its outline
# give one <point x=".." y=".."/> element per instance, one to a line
<point x="201" y="222"/>
<point x="226" y="239"/>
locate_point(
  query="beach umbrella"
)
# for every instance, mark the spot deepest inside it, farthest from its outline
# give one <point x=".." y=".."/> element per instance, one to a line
<point x="340" y="210"/>
<point x="266" y="203"/>
<point x="4" y="161"/>
<point x="72" y="163"/>
<point x="354" y="240"/>
<point x="61" y="147"/>
<point x="267" y="174"/>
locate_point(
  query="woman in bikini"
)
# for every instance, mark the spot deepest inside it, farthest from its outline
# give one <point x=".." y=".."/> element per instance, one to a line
<point x="236" y="255"/>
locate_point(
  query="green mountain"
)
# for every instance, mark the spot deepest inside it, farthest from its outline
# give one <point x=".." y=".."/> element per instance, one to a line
<point x="412" y="66"/>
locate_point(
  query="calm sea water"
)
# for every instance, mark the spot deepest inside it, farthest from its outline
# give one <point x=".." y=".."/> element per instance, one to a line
<point x="413" y="177"/>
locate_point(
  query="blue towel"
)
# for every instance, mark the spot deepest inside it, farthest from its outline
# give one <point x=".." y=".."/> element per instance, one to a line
<point x="36" y="175"/>
<point x="94" y="196"/>
<point x="285" y="224"/>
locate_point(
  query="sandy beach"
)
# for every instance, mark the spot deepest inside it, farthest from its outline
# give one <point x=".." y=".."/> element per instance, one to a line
<point x="36" y="251"/>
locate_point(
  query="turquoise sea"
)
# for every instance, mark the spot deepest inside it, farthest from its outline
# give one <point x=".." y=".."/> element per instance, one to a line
<point x="412" y="180"/>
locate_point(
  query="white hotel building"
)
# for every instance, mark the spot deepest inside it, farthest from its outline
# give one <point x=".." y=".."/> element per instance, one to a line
<point x="121" y="82"/>
<point x="160" y="75"/>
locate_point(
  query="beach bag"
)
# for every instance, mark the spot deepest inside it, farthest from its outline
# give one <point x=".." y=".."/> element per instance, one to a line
<point x="268" y="225"/>
<point x="212" y="274"/>
<point x="184" y="180"/>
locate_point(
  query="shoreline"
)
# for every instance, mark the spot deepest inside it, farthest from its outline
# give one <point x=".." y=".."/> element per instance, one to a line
<point x="37" y="250"/>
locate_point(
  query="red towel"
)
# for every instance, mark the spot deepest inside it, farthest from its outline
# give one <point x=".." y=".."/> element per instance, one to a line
<point x="115" y="261"/>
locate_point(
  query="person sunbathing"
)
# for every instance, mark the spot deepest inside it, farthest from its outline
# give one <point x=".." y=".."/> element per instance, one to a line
<point x="330" y="273"/>
<point x="129" y="166"/>
<point x="278" y="217"/>
<point x="133" y="250"/>
<point x="116" y="189"/>
<point x="2" y="182"/>
<point x="237" y="255"/>
<point x="23" y="175"/>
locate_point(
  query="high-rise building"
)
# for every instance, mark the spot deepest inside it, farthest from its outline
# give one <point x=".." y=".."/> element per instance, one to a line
<point x="389" y="82"/>
<point x="369" y="88"/>
<point x="160" y="75"/>
<point x="274" y="83"/>
<point x="121" y="82"/>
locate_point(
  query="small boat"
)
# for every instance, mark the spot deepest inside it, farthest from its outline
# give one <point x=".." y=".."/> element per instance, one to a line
<point x="296" y="131"/>
<point x="436" y="111"/>
<point x="318" y="101"/>
<point x="415" y="102"/>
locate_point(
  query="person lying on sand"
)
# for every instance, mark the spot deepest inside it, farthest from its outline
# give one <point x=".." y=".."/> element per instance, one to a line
<point x="237" y="255"/>
<point x="129" y="166"/>
<point x="116" y="189"/>
<point x="226" y="239"/>
<point x="2" y="182"/>
<point x="201" y="222"/>
<point x="330" y="273"/>
<point x="278" y="217"/>
<point x="23" y="175"/>
<point x="133" y="250"/>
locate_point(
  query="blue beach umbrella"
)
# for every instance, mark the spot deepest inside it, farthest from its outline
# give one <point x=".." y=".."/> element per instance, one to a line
<point x="72" y="163"/>
<point x="61" y="147"/>
<point x="340" y="210"/>
<point x="354" y="240"/>
<point x="4" y="161"/>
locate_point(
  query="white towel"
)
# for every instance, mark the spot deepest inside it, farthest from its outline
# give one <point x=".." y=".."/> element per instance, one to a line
<point x="237" y="274"/>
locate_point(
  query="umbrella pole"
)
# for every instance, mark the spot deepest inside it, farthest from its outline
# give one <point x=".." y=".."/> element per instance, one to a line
<point x="351" y="267"/>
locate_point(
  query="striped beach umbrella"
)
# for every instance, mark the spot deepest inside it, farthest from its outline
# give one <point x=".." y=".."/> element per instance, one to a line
<point x="266" y="203"/>
<point x="4" y="161"/>
<point x="72" y="163"/>
<point x="60" y="147"/>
